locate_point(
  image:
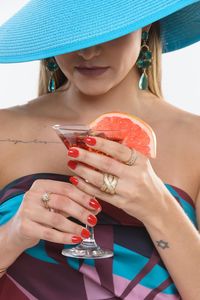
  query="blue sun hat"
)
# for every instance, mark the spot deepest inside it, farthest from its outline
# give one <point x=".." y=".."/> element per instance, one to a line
<point x="46" y="28"/>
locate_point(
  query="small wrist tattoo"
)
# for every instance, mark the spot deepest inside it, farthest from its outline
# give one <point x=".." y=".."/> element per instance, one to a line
<point x="162" y="244"/>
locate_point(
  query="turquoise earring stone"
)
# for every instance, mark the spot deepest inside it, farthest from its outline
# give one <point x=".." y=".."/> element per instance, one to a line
<point x="51" y="85"/>
<point x="145" y="35"/>
<point x="52" y="67"/>
<point x="51" y="64"/>
<point x="143" y="82"/>
<point x="143" y="63"/>
<point x="148" y="54"/>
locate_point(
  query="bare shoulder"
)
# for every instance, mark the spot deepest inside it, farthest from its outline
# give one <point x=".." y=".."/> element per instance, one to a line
<point x="12" y="118"/>
<point x="9" y="117"/>
<point x="185" y="130"/>
<point x="184" y="123"/>
<point x="16" y="122"/>
<point x="6" y="114"/>
<point x="19" y="115"/>
<point x="188" y="125"/>
<point x="11" y="126"/>
<point x="191" y="128"/>
<point x="33" y="118"/>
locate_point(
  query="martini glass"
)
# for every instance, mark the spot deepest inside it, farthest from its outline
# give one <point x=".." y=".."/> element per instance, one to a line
<point x="72" y="136"/>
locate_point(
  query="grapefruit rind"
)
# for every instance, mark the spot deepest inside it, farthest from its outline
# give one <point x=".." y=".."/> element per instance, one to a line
<point x="135" y="132"/>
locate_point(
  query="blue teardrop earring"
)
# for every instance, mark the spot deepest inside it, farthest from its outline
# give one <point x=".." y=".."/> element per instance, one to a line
<point x="144" y="61"/>
<point x="52" y="67"/>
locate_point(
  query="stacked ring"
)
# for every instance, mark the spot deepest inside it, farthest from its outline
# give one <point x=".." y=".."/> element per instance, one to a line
<point x="132" y="158"/>
<point x="110" y="181"/>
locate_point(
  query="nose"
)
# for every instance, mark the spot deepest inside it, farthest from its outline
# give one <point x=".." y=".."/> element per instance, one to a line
<point x="89" y="53"/>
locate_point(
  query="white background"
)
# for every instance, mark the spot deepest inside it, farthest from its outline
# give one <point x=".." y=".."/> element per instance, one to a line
<point x="180" y="74"/>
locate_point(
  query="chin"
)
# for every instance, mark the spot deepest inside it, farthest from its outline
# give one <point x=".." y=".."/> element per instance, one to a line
<point x="93" y="91"/>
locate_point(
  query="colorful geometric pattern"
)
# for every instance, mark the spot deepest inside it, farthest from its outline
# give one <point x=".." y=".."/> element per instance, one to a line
<point x="135" y="272"/>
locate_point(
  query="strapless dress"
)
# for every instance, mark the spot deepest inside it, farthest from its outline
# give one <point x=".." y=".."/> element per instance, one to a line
<point x="136" y="272"/>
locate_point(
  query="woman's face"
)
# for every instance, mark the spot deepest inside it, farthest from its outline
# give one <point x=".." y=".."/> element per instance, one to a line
<point x="120" y="55"/>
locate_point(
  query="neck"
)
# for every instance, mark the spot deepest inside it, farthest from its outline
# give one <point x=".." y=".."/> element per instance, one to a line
<point x="124" y="97"/>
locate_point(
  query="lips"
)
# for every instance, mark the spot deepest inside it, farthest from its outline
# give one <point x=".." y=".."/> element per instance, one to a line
<point x="92" y="71"/>
<point x="91" y="68"/>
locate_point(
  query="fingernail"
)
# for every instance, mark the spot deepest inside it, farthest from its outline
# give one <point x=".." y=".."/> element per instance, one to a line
<point x="72" y="164"/>
<point x="73" y="152"/>
<point x="76" y="239"/>
<point x="92" y="220"/>
<point x="85" y="233"/>
<point x="94" y="203"/>
<point x="90" y="141"/>
<point x="73" y="180"/>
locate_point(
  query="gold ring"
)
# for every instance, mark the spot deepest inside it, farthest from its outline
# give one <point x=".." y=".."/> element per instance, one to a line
<point x="132" y="158"/>
<point x="45" y="199"/>
<point x="109" y="183"/>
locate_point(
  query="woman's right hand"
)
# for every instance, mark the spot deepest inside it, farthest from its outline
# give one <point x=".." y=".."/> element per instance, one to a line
<point x="33" y="221"/>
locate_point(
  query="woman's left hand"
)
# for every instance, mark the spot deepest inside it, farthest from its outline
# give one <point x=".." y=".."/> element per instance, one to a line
<point x="139" y="191"/>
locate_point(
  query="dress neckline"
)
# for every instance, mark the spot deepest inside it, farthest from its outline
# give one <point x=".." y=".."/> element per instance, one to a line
<point x="63" y="176"/>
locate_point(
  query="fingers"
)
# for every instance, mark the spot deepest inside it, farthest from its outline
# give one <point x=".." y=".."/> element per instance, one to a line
<point x="91" y="189"/>
<point x="36" y="212"/>
<point x="75" y="197"/>
<point x="52" y="225"/>
<point x="98" y="161"/>
<point x="61" y="194"/>
<point x="110" y="147"/>
<point x="113" y="162"/>
<point x="56" y="187"/>
<point x="53" y="235"/>
<point x="59" y="222"/>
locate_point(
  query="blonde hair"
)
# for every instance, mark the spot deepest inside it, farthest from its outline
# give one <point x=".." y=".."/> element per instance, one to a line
<point x="153" y="72"/>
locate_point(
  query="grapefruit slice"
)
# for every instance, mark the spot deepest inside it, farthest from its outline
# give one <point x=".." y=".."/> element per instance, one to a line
<point x="134" y="132"/>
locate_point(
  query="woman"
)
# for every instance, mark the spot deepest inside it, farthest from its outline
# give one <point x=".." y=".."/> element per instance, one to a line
<point x="152" y="225"/>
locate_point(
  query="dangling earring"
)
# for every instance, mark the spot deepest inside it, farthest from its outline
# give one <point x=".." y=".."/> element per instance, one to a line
<point x="144" y="61"/>
<point x="51" y="66"/>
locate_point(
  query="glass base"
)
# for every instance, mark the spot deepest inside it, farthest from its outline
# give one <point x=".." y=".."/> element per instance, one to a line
<point x="81" y="251"/>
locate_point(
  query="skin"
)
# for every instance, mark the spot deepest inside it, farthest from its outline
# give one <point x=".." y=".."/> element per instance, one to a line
<point x="140" y="192"/>
<point x="105" y="93"/>
<point x="120" y="55"/>
<point x="94" y="96"/>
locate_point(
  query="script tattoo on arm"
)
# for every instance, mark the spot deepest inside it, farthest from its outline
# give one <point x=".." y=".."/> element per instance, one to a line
<point x="35" y="141"/>
<point x="162" y="244"/>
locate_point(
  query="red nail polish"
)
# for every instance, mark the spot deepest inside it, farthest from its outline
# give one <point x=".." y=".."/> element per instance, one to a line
<point x="76" y="239"/>
<point x="73" y="180"/>
<point x="90" y="141"/>
<point x="94" y="203"/>
<point x="73" y="153"/>
<point x="92" y="220"/>
<point x="72" y="164"/>
<point x="85" y="233"/>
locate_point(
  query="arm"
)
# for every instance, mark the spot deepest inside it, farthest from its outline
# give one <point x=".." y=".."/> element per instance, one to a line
<point x="9" y="250"/>
<point x="181" y="251"/>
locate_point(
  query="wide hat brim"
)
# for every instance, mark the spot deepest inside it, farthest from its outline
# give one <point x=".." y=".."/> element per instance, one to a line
<point x="45" y="28"/>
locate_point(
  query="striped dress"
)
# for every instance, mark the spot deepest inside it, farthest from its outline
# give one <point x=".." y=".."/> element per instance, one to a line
<point x="136" y="271"/>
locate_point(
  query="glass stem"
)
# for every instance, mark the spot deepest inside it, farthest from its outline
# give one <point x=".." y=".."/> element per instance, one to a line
<point x="91" y="230"/>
